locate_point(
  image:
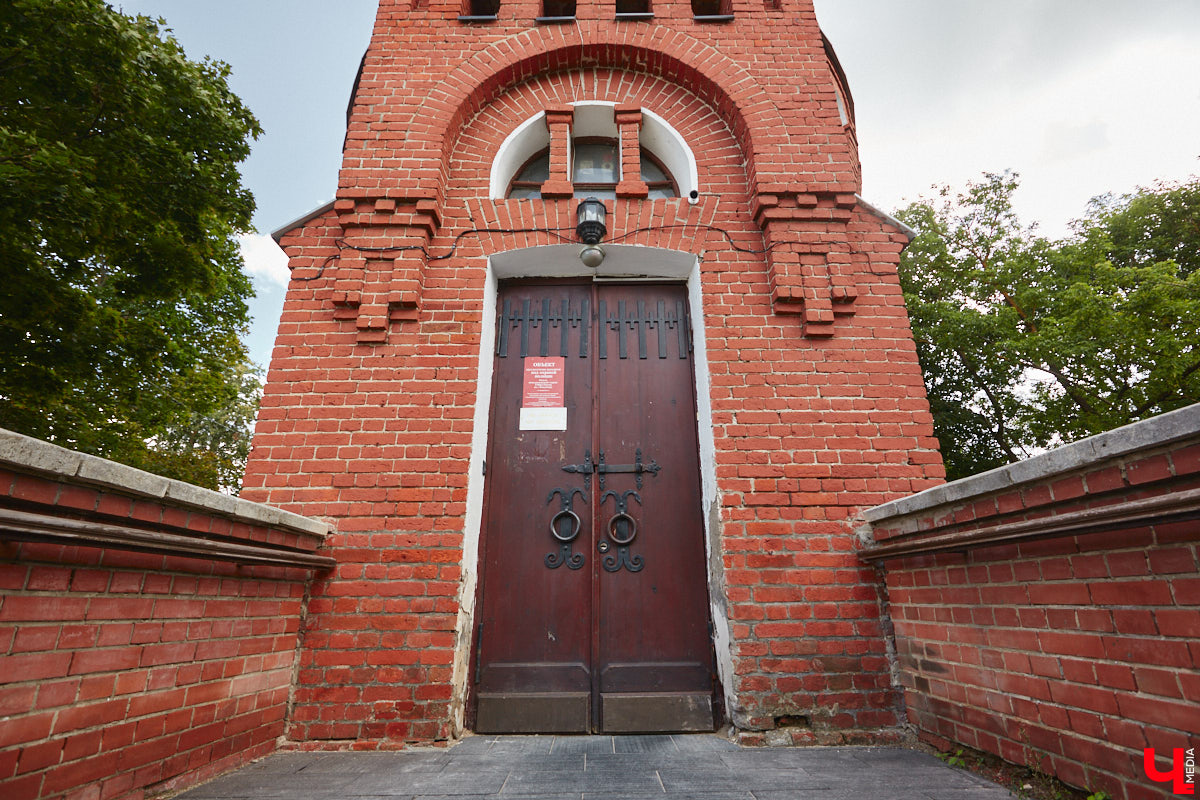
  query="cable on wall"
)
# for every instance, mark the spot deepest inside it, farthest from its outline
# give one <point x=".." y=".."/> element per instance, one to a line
<point x="342" y="244"/>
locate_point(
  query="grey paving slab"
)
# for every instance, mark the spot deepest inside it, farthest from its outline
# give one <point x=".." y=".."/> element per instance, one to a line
<point x="691" y="743"/>
<point x="486" y="782"/>
<point x="533" y="745"/>
<point x="472" y="744"/>
<point x="239" y="785"/>
<point x="589" y="745"/>
<point x="283" y="764"/>
<point x="381" y="763"/>
<point x="676" y="761"/>
<point x="531" y="784"/>
<point x="560" y="796"/>
<point x="696" y="767"/>
<point x="718" y="795"/>
<point x="677" y="782"/>
<point x="644" y="744"/>
<point x="474" y="763"/>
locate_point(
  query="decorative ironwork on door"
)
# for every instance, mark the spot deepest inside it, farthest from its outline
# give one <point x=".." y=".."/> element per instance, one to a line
<point x="551" y="325"/>
<point x="540" y="320"/>
<point x="564" y="527"/>
<point x="666" y="326"/>
<point x="621" y="531"/>
<point x="622" y="527"/>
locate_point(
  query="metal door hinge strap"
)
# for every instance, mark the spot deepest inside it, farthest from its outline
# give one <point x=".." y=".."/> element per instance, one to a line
<point x="637" y="468"/>
<point x="586" y="468"/>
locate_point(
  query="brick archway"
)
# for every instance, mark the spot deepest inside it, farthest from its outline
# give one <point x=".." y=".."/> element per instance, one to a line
<point x="717" y="79"/>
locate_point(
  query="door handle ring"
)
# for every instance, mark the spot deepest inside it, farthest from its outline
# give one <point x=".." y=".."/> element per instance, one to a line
<point x="575" y="525"/>
<point x="614" y="525"/>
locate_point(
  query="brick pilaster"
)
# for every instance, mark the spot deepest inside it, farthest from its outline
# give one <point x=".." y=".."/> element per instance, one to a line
<point x="629" y="124"/>
<point x="558" y="120"/>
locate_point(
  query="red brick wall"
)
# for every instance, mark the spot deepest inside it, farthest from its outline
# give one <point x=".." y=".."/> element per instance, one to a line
<point x="123" y="673"/>
<point x="1072" y="653"/>
<point x="815" y="415"/>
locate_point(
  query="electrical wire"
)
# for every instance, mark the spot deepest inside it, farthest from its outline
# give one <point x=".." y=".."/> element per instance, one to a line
<point x="342" y="244"/>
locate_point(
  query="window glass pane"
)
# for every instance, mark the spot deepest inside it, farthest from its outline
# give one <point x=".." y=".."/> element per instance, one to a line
<point x="482" y="8"/>
<point x="660" y="192"/>
<point x="558" y="8"/>
<point x="525" y="193"/>
<point x="633" y="6"/>
<point x="536" y="171"/>
<point x="595" y="162"/>
<point x="651" y="172"/>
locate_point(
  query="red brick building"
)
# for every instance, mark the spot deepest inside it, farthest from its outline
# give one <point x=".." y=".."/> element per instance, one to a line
<point x="645" y="470"/>
<point x="594" y="479"/>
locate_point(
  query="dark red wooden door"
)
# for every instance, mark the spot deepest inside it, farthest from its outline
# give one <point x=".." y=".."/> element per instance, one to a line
<point x="593" y="595"/>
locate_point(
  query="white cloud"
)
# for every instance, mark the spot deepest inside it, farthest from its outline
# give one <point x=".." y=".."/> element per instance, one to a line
<point x="265" y="261"/>
<point x="1079" y="97"/>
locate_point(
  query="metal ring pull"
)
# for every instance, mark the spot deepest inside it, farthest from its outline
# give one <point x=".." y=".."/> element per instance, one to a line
<point x="614" y="524"/>
<point x="622" y="558"/>
<point x="565" y="533"/>
<point x="554" y="526"/>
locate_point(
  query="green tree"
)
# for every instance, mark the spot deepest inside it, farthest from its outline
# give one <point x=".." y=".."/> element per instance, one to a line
<point x="1026" y="343"/>
<point x="120" y="199"/>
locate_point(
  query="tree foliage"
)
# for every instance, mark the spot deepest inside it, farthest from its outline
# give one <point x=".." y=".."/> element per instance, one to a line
<point x="1026" y="342"/>
<point x="120" y="199"/>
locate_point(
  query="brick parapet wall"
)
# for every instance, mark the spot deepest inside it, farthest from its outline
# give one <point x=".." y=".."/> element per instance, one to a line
<point x="1049" y="612"/>
<point x="148" y="628"/>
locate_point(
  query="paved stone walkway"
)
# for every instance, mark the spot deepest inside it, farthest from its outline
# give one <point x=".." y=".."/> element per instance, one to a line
<point x="693" y="767"/>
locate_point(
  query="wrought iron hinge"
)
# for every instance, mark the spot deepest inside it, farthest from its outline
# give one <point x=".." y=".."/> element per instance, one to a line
<point x="637" y="468"/>
<point x="585" y="469"/>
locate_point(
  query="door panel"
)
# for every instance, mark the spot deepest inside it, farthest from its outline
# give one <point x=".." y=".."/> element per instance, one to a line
<point x="609" y="630"/>
<point x="652" y="623"/>
<point x="535" y="674"/>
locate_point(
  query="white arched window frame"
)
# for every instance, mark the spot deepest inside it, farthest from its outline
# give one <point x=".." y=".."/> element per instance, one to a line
<point x="594" y="118"/>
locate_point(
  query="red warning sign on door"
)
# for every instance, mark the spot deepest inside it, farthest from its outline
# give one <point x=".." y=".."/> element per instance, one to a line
<point x="544" y="382"/>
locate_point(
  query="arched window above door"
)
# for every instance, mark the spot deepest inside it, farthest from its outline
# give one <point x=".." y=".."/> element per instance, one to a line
<point x="594" y="172"/>
<point x="594" y="144"/>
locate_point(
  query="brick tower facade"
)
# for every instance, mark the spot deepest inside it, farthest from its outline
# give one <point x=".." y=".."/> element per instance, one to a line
<point x="740" y="278"/>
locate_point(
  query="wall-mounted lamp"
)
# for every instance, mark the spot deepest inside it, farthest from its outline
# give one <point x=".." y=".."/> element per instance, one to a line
<point x="590" y="230"/>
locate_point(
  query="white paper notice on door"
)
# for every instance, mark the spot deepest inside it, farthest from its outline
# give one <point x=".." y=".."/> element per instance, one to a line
<point x="542" y="395"/>
<point x="543" y="419"/>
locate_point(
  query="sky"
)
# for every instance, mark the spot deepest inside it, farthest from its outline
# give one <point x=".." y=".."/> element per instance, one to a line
<point x="1080" y="97"/>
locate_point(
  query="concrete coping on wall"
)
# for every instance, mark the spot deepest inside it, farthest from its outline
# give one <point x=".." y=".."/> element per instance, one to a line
<point x="1145" y="435"/>
<point x="26" y="454"/>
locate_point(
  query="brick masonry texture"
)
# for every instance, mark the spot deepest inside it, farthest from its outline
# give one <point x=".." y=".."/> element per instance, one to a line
<point x="129" y="672"/>
<point x="818" y="407"/>
<point x="1070" y="653"/>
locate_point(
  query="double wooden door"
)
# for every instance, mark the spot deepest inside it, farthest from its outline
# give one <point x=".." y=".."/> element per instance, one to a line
<point x="593" y="607"/>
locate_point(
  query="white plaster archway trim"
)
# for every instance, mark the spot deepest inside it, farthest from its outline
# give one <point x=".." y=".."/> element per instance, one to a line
<point x="594" y="118"/>
<point x="527" y="139"/>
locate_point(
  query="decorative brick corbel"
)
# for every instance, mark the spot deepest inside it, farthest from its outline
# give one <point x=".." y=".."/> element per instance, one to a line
<point x="629" y="126"/>
<point x="808" y="269"/>
<point x="382" y="282"/>
<point x="558" y="121"/>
